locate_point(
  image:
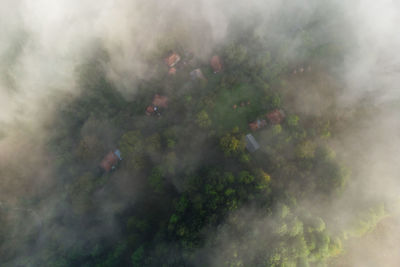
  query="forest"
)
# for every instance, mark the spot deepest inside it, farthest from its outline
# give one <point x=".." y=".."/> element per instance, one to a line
<point x="223" y="159"/>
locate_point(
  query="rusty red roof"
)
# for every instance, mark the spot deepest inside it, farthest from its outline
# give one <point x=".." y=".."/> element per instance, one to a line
<point x="172" y="59"/>
<point x="149" y="110"/>
<point x="258" y="124"/>
<point x="172" y="71"/>
<point x="216" y="64"/>
<point x="160" y="101"/>
<point x="109" y="161"/>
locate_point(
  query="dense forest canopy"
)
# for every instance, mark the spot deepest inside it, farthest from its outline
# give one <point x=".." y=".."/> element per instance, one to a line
<point x="198" y="134"/>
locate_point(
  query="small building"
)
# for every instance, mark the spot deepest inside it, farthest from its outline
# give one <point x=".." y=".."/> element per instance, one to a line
<point x="251" y="143"/>
<point x="276" y="116"/>
<point x="160" y="101"/>
<point x="258" y="124"/>
<point x="216" y="64"/>
<point x="197" y="74"/>
<point x="172" y="59"/>
<point x="118" y="154"/>
<point x="110" y="161"/>
<point x="172" y="71"/>
<point x="150" y="110"/>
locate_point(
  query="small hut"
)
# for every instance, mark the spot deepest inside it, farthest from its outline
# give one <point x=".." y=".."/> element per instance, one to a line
<point x="197" y="74"/>
<point x="251" y="143"/>
<point x="216" y="64"/>
<point x="258" y="124"/>
<point x="110" y="161"/>
<point x="172" y="71"/>
<point x="172" y="59"/>
<point x="160" y="101"/>
<point x="150" y="110"/>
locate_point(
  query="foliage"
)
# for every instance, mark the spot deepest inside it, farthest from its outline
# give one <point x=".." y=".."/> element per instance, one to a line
<point x="203" y="120"/>
<point x="189" y="169"/>
<point x="137" y="257"/>
<point x="231" y="144"/>
<point x="156" y="180"/>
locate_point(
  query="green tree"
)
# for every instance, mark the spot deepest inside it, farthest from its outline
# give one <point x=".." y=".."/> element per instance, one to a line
<point x="235" y="55"/>
<point x="137" y="257"/>
<point x="156" y="180"/>
<point x="292" y="120"/>
<point x="306" y="150"/>
<point x="153" y="143"/>
<point x="89" y="148"/>
<point x="245" y="177"/>
<point x="231" y="145"/>
<point x="203" y="120"/>
<point x="80" y="193"/>
<point x="131" y="145"/>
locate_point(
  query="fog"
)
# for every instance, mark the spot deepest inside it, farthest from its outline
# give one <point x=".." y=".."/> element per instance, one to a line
<point x="44" y="43"/>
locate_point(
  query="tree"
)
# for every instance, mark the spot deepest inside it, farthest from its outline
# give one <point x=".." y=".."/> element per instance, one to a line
<point x="170" y="162"/>
<point x="80" y="193"/>
<point x="305" y="150"/>
<point x="331" y="176"/>
<point x="292" y="120"/>
<point x="203" y="120"/>
<point x="156" y="180"/>
<point x="276" y="129"/>
<point x="235" y="55"/>
<point x="131" y="143"/>
<point x="153" y="143"/>
<point x="89" y="148"/>
<point x="245" y="177"/>
<point x="231" y="145"/>
<point x="137" y="257"/>
<point x="132" y="148"/>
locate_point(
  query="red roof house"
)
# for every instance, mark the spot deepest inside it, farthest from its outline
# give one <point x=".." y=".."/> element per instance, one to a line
<point x="275" y="116"/>
<point x="258" y="124"/>
<point x="149" y="110"/>
<point x="216" y="64"/>
<point x="172" y="71"/>
<point x="160" y="101"/>
<point x="172" y="59"/>
<point x="110" y="160"/>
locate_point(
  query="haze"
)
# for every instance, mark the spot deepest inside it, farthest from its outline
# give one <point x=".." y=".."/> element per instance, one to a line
<point x="77" y="79"/>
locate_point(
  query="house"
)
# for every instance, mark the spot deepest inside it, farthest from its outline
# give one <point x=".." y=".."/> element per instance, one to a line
<point x="216" y="64"/>
<point x="197" y="74"/>
<point x="172" y="71"/>
<point x="172" y="59"/>
<point x="276" y="116"/>
<point x="251" y="143"/>
<point x="118" y="154"/>
<point x="110" y="161"/>
<point x="150" y="110"/>
<point x="258" y="124"/>
<point x="160" y="101"/>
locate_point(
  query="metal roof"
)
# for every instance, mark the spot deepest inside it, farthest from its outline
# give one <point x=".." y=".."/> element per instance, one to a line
<point x="118" y="154"/>
<point x="251" y="143"/>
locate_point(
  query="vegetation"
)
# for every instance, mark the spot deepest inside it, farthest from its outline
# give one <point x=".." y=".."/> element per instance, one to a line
<point x="186" y="172"/>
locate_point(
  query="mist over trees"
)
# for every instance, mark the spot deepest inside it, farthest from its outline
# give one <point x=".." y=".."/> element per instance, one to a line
<point x="129" y="144"/>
